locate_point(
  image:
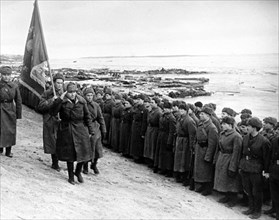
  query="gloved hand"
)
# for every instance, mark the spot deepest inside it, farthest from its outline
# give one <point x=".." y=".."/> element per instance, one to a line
<point x="231" y="174"/>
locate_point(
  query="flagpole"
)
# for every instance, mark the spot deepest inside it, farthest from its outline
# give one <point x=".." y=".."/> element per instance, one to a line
<point x="43" y="40"/>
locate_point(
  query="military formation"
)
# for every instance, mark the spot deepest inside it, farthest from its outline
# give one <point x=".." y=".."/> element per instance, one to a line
<point x="179" y="140"/>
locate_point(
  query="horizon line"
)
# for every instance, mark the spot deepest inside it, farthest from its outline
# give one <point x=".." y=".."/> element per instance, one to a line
<point x="172" y="55"/>
<point x="144" y="56"/>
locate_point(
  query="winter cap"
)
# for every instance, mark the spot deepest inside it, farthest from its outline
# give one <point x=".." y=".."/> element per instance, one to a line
<point x="167" y="104"/>
<point x="245" y="116"/>
<point x="198" y="104"/>
<point x="228" y="120"/>
<point x="247" y="111"/>
<point x="270" y="120"/>
<point x="255" y="122"/>
<point x="229" y="111"/>
<point x="184" y="106"/>
<point x="207" y="110"/>
<point x="108" y="91"/>
<point x="58" y="76"/>
<point x="5" y="70"/>
<point x="213" y="106"/>
<point x="88" y="90"/>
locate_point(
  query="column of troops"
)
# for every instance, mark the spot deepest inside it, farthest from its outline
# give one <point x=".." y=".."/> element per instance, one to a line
<point x="179" y="140"/>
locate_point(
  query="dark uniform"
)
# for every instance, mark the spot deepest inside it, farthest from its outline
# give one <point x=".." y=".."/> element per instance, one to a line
<point x="99" y="130"/>
<point x="151" y="134"/>
<point x="274" y="175"/>
<point x="137" y="142"/>
<point x="50" y="124"/>
<point x="10" y="111"/>
<point x="255" y="160"/>
<point x="114" y="135"/>
<point x="125" y="131"/>
<point x="164" y="148"/>
<point x="207" y="142"/>
<point x="108" y="104"/>
<point x="185" y="137"/>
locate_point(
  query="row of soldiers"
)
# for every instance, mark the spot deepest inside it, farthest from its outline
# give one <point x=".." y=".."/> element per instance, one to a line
<point x="190" y="143"/>
<point x="185" y="141"/>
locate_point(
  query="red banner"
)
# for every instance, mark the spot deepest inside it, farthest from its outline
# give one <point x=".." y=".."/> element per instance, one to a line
<point x="35" y="62"/>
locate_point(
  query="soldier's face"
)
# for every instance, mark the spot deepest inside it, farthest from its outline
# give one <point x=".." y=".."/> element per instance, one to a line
<point x="250" y="129"/>
<point x="99" y="96"/>
<point x="224" y="114"/>
<point x="71" y="95"/>
<point x="58" y="84"/>
<point x="204" y="116"/>
<point x="6" y="78"/>
<point x="89" y="97"/>
<point x="267" y="126"/>
<point x="225" y="126"/>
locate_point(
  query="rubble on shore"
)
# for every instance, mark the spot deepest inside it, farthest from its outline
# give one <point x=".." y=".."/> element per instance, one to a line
<point x="150" y="81"/>
<point x="144" y="80"/>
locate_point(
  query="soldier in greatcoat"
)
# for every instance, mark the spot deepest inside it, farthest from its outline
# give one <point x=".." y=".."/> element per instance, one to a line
<point x="10" y="110"/>
<point x="74" y="131"/>
<point x="51" y="122"/>
<point x="137" y="142"/>
<point x="207" y="142"/>
<point x="227" y="179"/>
<point x="108" y="104"/>
<point x="99" y="130"/>
<point x="268" y="132"/>
<point x="98" y="98"/>
<point x="274" y="177"/>
<point x="151" y="134"/>
<point x="125" y="127"/>
<point x="116" y="114"/>
<point x="254" y="161"/>
<point x="185" y="137"/>
<point x="164" y="148"/>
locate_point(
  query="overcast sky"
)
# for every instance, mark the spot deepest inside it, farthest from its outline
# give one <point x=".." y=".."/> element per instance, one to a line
<point x="134" y="28"/>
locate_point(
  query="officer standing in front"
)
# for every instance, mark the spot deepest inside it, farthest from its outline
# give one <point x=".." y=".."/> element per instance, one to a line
<point x="10" y="110"/>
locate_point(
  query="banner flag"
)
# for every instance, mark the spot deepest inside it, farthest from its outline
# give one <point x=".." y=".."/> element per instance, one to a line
<point x="35" y="62"/>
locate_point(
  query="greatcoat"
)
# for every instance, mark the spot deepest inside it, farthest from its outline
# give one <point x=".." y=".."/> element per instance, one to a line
<point x="125" y="131"/>
<point x="50" y="122"/>
<point x="114" y="135"/>
<point x="164" y="146"/>
<point x="186" y="134"/>
<point x="229" y="153"/>
<point x="99" y="128"/>
<point x="137" y="142"/>
<point x="207" y="142"/>
<point x="73" y="143"/>
<point x="108" y="104"/>
<point x="151" y="134"/>
<point x="10" y="111"/>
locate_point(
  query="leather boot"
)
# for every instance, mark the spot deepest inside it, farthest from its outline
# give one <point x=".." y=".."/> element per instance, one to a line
<point x="78" y="172"/>
<point x="251" y="206"/>
<point x="258" y="200"/>
<point x="1" y="150"/>
<point x="94" y="166"/>
<point x="207" y="189"/>
<point x="70" y="167"/>
<point x="192" y="184"/>
<point x="55" y="165"/>
<point x="85" y="168"/>
<point x="8" y="152"/>
<point x="232" y="199"/>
